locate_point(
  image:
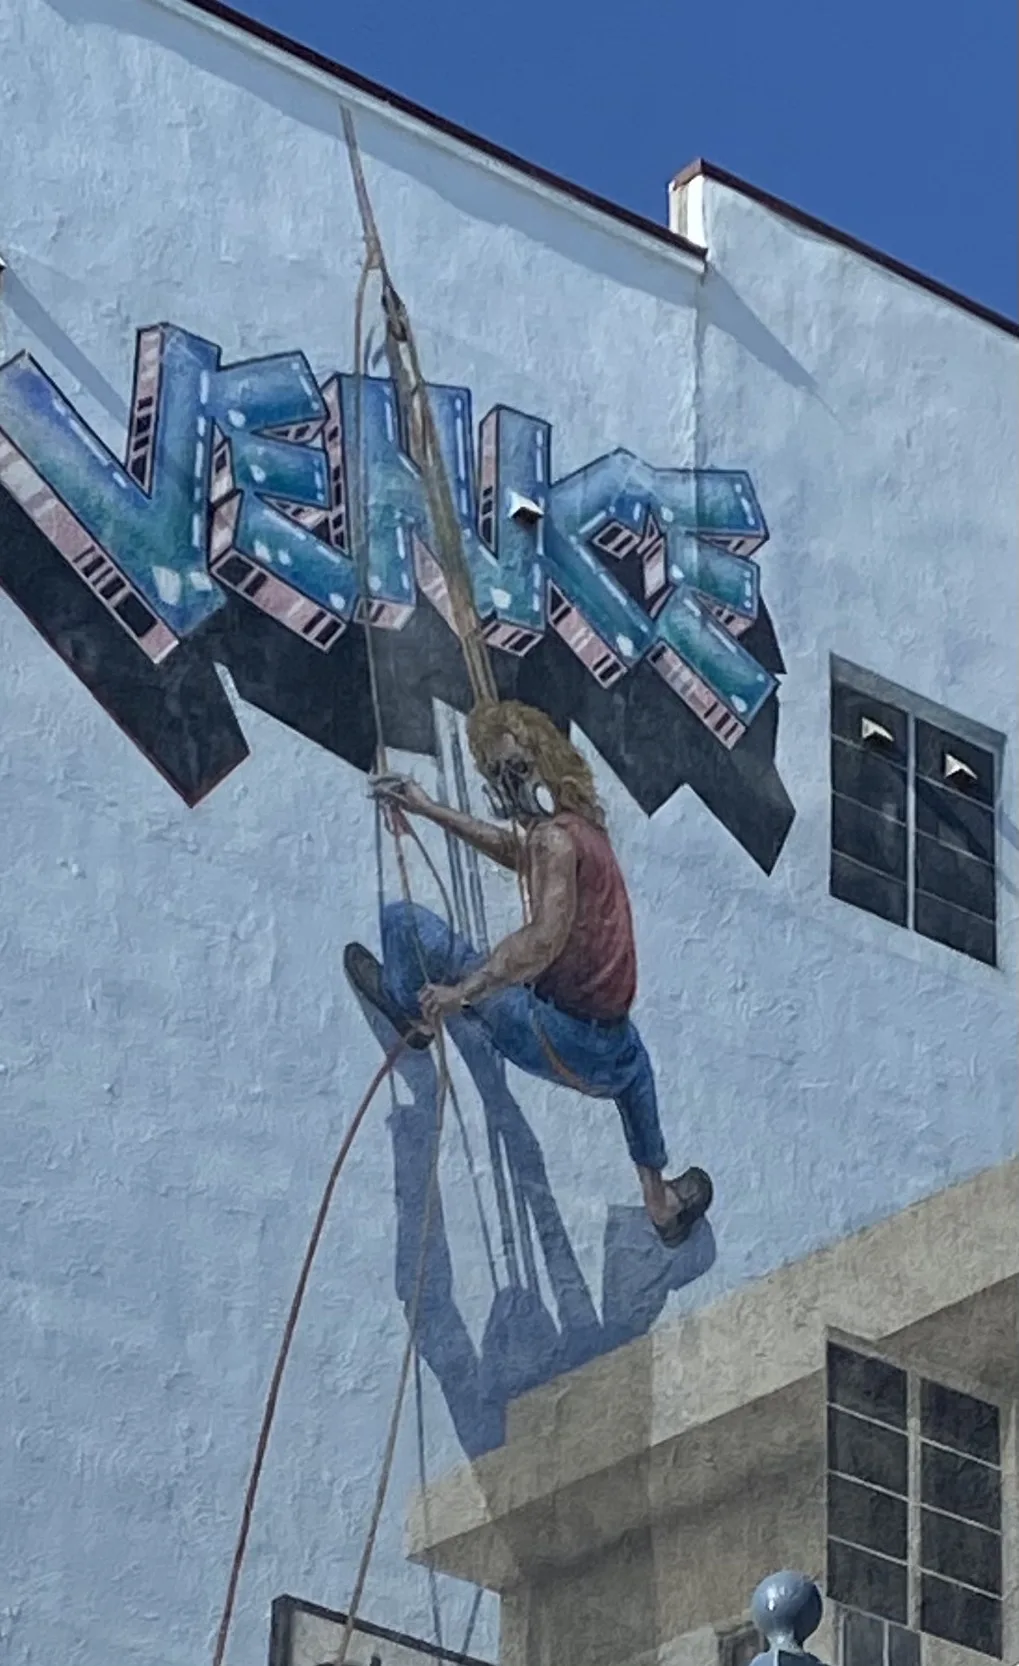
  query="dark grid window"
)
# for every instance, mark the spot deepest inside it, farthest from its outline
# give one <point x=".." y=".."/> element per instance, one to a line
<point x="864" y="1640"/>
<point x="912" y="821"/>
<point x="960" y="1519"/>
<point x="914" y="1512"/>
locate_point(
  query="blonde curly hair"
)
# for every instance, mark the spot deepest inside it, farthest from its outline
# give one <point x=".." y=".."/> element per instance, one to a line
<point x="561" y="767"/>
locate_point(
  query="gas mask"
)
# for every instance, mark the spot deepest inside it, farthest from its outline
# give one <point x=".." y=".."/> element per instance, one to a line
<point x="515" y="793"/>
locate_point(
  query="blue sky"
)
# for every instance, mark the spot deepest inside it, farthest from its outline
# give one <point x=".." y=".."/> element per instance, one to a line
<point x="895" y="120"/>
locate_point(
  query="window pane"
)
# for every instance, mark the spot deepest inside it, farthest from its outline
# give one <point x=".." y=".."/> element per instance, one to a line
<point x="961" y="1486"/>
<point x="867" y="1452"/>
<point x="960" y="1551"/>
<point x="954" y="820"/>
<point x="866" y="1517"/>
<point x="903" y="1647"/>
<point x="868" y="836"/>
<point x="956" y="878"/>
<point x="848" y="710"/>
<point x="870" y="1386"/>
<point x="866" y="888"/>
<point x="871" y="777"/>
<point x="932" y="745"/>
<point x="863" y="1640"/>
<point x="860" y="1579"/>
<point x="960" y="1421"/>
<point x="957" y="929"/>
<point x="960" y="1616"/>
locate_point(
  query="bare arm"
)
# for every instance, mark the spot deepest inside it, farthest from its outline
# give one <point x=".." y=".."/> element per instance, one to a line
<point x="501" y="844"/>
<point x="523" y="956"/>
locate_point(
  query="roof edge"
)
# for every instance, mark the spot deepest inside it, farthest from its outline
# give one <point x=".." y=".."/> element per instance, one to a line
<point x="703" y="169"/>
<point x="268" y="36"/>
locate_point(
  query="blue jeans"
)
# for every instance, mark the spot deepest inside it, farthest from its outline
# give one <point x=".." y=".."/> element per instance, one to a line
<point x="610" y="1059"/>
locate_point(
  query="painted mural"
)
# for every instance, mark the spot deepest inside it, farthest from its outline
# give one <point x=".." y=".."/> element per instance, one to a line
<point x="382" y="578"/>
<point x="623" y="598"/>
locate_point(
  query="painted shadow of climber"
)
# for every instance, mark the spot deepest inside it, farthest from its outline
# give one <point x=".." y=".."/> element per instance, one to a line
<point x="523" y="1344"/>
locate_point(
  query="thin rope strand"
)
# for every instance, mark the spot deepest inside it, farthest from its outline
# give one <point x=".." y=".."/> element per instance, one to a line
<point x="419" y="1419"/>
<point x="283" y="1354"/>
<point x="389" y="1452"/>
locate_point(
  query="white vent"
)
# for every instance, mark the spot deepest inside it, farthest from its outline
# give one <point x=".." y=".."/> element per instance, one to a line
<point x="958" y="774"/>
<point x="686" y="210"/>
<point x="873" y="733"/>
<point x="521" y="508"/>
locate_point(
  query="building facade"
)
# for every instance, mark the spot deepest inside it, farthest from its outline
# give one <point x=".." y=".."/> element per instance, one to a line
<point x="736" y="501"/>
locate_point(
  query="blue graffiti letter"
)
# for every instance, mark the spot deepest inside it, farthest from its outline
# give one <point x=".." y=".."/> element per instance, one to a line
<point x="136" y="533"/>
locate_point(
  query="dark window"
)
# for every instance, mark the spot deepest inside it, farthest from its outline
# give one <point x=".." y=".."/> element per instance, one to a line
<point x="960" y="1421"/>
<point x="865" y="888"/>
<point x="960" y="1486"/>
<point x="863" y="1640"/>
<point x="862" y="1516"/>
<point x="876" y="1584"/>
<point x="912" y="822"/>
<point x="867" y="1641"/>
<point x="956" y="928"/>
<point x="850" y="710"/>
<point x="869" y="777"/>
<point x="960" y="1616"/>
<point x="958" y="1550"/>
<point x="956" y="822"/>
<point x="934" y="749"/>
<point x="903" y="1647"/>
<point x="960" y="1522"/>
<point x="868" y="1386"/>
<point x="866" y="1452"/>
<point x="950" y="1576"/>
<point x="869" y="837"/>
<point x="869" y="832"/>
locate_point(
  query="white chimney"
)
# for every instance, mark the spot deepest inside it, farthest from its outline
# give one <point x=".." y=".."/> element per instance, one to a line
<point x="686" y="208"/>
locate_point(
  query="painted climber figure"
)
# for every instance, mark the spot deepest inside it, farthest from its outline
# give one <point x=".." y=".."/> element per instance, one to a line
<point x="554" y="997"/>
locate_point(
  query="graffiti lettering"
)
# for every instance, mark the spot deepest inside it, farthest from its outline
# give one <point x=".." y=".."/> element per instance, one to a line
<point x="244" y="481"/>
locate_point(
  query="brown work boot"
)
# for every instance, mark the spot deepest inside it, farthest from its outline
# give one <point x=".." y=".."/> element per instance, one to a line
<point x="364" y="973"/>
<point x="694" y="1195"/>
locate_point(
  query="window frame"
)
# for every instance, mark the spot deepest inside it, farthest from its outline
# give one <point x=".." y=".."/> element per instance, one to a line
<point x="922" y="719"/>
<point x="921" y="1389"/>
<point x="846" y="1617"/>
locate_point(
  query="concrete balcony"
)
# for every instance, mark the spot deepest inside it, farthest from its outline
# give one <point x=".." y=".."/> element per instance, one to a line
<point x="636" y="1500"/>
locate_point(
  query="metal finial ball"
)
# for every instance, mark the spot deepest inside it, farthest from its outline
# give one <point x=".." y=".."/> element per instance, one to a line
<point x="787" y="1608"/>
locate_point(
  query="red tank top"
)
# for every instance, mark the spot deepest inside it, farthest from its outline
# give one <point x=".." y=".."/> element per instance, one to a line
<point x="596" y="974"/>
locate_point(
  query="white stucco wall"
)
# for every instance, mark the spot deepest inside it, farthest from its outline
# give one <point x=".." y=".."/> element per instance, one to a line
<point x="178" y="1050"/>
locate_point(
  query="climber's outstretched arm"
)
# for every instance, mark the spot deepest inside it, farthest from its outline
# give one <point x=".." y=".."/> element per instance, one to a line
<point x="502" y="844"/>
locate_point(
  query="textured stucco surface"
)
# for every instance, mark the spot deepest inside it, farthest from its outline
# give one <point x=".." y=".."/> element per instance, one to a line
<point x="178" y="1053"/>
